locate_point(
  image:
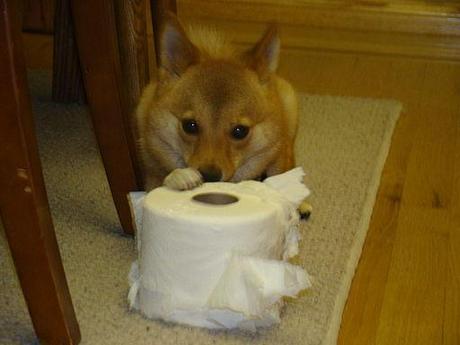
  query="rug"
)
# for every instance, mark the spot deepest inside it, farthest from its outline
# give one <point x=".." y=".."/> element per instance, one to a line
<point x="342" y="145"/>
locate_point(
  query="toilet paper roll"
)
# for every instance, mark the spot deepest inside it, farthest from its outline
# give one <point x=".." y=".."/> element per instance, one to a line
<point x="212" y="256"/>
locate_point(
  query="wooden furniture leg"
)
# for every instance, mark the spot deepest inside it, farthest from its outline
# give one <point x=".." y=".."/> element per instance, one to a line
<point x="96" y="36"/>
<point x="131" y="26"/>
<point x="67" y="76"/>
<point x="132" y="41"/>
<point x="23" y="201"/>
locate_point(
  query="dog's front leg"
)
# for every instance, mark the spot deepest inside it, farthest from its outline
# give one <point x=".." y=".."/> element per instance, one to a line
<point x="183" y="179"/>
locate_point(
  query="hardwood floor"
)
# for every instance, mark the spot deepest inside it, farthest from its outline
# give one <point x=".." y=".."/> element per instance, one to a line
<point x="407" y="286"/>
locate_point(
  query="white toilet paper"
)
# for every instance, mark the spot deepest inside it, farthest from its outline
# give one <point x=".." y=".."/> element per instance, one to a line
<point x="218" y="265"/>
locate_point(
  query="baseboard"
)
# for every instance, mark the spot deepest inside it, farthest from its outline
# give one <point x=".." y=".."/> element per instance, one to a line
<point x="409" y="29"/>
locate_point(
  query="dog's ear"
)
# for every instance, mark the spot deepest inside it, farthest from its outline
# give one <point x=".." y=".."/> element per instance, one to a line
<point x="177" y="53"/>
<point x="263" y="57"/>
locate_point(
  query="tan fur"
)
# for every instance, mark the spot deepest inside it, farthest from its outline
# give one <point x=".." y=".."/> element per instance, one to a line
<point x="202" y="78"/>
<point x="210" y="42"/>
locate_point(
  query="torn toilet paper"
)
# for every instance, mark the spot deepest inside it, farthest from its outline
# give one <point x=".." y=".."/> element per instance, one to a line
<point x="216" y="256"/>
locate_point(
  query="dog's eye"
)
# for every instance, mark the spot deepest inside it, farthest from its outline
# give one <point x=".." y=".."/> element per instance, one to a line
<point x="240" y="132"/>
<point x="190" y="126"/>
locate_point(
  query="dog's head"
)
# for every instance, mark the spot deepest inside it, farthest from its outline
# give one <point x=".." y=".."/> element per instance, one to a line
<point x="220" y="111"/>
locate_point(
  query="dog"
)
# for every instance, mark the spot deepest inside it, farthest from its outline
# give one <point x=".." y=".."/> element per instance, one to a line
<point x="214" y="114"/>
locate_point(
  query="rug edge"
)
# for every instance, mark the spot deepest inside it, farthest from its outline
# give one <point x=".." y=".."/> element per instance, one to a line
<point x="356" y="250"/>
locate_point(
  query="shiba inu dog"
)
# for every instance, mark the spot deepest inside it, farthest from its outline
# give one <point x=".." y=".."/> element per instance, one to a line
<point x="213" y="114"/>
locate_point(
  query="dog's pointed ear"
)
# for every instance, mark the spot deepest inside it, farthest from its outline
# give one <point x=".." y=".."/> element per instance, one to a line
<point x="177" y="53"/>
<point x="263" y="57"/>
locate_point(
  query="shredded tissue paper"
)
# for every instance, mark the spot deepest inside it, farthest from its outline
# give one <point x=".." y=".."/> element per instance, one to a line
<point x="217" y="256"/>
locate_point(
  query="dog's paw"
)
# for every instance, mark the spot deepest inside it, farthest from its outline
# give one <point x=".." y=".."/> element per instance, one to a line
<point x="183" y="179"/>
<point x="305" y="209"/>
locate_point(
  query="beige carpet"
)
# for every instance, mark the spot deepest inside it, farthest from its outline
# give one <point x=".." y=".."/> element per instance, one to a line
<point x="342" y="144"/>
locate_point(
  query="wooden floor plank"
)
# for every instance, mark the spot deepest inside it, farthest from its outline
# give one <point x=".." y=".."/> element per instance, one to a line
<point x="362" y="312"/>
<point x="413" y="304"/>
<point x="451" y="331"/>
<point x="414" y="300"/>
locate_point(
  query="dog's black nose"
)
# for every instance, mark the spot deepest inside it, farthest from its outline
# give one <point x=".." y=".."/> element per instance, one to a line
<point x="210" y="173"/>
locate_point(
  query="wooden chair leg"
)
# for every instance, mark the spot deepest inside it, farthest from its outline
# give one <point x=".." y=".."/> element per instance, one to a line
<point x="23" y="201"/>
<point x="132" y="39"/>
<point x="67" y="76"/>
<point x="158" y="8"/>
<point x="131" y="27"/>
<point x="96" y="36"/>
